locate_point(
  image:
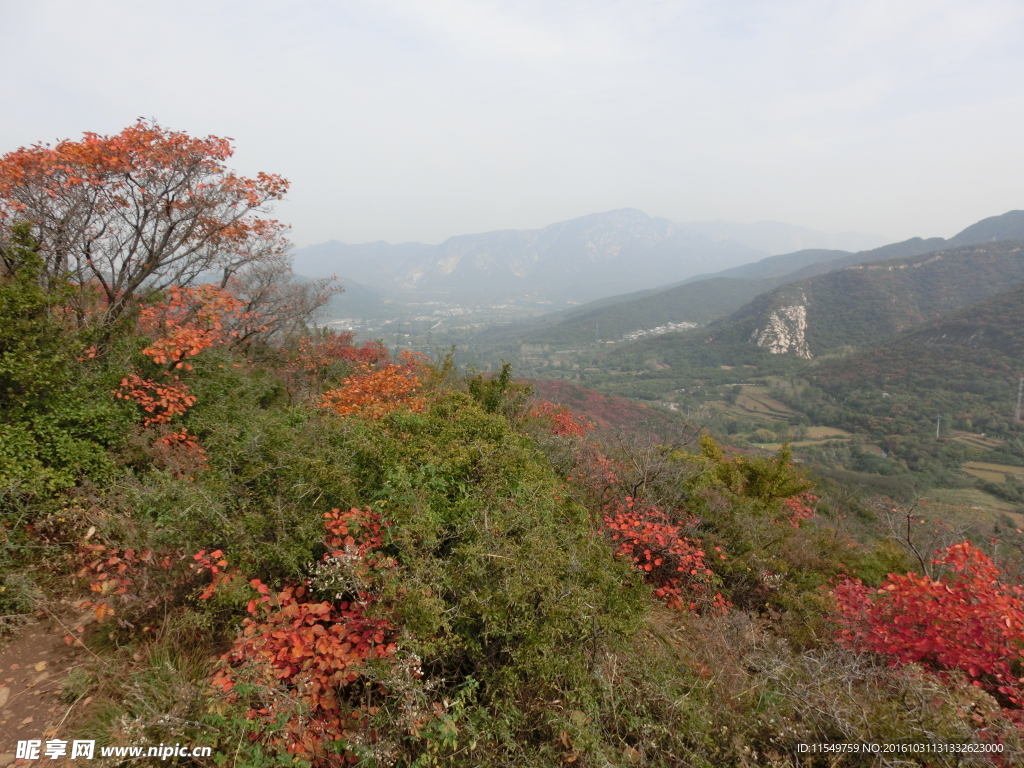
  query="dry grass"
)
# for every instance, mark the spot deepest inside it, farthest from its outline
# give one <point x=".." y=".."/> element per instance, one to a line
<point x="819" y="433"/>
<point x="993" y="467"/>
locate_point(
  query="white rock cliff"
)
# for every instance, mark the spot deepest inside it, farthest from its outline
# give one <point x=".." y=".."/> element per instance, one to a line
<point x="786" y="332"/>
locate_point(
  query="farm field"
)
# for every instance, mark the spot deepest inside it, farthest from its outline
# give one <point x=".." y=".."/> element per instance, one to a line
<point x="823" y="433"/>
<point x="819" y="436"/>
<point x="758" y="402"/>
<point x="993" y="473"/>
<point x="754" y="401"/>
<point x="971" y="505"/>
<point x="977" y="441"/>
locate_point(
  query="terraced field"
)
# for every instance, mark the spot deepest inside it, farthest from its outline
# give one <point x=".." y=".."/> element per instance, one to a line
<point x="827" y="433"/>
<point x="971" y="506"/>
<point x="754" y="401"/>
<point x="977" y="441"/>
<point x="993" y="473"/>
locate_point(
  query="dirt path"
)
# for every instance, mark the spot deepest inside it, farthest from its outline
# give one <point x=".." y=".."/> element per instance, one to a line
<point x="34" y="661"/>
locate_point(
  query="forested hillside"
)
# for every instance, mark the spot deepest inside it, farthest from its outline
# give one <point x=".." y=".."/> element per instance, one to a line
<point x="704" y="298"/>
<point x="964" y="367"/>
<point x="244" y="532"/>
<point x="853" y="307"/>
<point x="697" y="303"/>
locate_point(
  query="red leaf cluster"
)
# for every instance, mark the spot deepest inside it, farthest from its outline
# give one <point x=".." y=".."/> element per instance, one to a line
<point x="376" y="392"/>
<point x="967" y="620"/>
<point x="671" y="562"/>
<point x="217" y="566"/>
<point x="801" y="507"/>
<point x="354" y="533"/>
<point x="187" y="322"/>
<point x="309" y="359"/>
<point x="654" y="541"/>
<point x="112" y="571"/>
<point x="564" y="423"/>
<point x="603" y="411"/>
<point x="182" y="452"/>
<point x="162" y="401"/>
<point x="316" y="650"/>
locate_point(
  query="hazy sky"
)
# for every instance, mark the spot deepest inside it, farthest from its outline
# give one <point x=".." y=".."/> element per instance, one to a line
<point x="415" y="120"/>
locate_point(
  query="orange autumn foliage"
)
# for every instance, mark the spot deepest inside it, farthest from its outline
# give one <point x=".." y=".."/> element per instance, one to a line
<point x="564" y="423"/>
<point x="801" y="507"/>
<point x="187" y="322"/>
<point x="375" y="392"/>
<point x="180" y="453"/>
<point x="213" y="563"/>
<point x="316" y="650"/>
<point x="139" y="211"/>
<point x="113" y="574"/>
<point x="161" y="401"/>
<point x="309" y="360"/>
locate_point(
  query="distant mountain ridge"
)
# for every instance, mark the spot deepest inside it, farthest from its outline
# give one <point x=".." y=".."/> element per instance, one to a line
<point x="709" y="297"/>
<point x="781" y="265"/>
<point x="571" y="261"/>
<point x="857" y="307"/>
<point x="778" y="238"/>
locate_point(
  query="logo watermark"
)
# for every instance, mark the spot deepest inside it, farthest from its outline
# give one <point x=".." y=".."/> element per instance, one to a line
<point x="85" y="749"/>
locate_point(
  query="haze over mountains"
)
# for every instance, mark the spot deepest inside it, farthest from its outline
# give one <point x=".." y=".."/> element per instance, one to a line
<point x="896" y="367"/>
<point x="705" y="298"/>
<point x="568" y="262"/>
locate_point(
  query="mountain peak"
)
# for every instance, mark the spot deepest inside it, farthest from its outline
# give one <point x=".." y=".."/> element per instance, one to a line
<point x="572" y="261"/>
<point x="1008" y="226"/>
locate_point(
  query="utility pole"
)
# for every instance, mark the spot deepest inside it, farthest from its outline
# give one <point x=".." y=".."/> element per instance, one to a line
<point x="1020" y="391"/>
<point x="938" y="421"/>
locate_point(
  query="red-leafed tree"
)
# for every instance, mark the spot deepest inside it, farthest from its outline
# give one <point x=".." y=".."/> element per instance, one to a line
<point x="967" y="619"/>
<point x="188" y="321"/>
<point x="138" y="211"/>
<point x="376" y="392"/>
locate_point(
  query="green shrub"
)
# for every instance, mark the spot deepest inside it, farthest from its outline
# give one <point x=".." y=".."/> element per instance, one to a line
<point x="57" y="417"/>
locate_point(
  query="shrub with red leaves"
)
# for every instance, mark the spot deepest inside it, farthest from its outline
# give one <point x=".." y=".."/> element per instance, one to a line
<point x="374" y="393"/>
<point x="315" y="651"/>
<point x="671" y="562"/>
<point x="564" y="423"/>
<point x="801" y="507"/>
<point x="967" y="620"/>
<point x="310" y="360"/>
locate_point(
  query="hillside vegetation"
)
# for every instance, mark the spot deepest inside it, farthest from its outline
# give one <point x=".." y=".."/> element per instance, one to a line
<point x="698" y="303"/>
<point x="885" y="352"/>
<point x="957" y="373"/>
<point x="300" y="550"/>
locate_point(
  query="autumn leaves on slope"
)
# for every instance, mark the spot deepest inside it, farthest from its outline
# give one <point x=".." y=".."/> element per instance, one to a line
<point x="426" y="566"/>
<point x="344" y="658"/>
